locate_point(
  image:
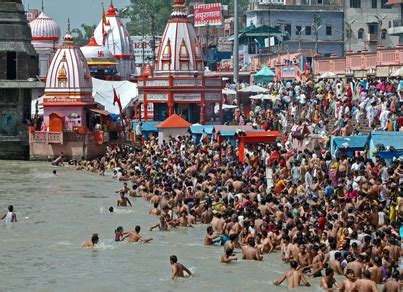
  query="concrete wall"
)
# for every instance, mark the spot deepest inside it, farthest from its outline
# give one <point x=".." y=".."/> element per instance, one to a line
<point x="366" y="14"/>
<point x="71" y="150"/>
<point x="15" y="102"/>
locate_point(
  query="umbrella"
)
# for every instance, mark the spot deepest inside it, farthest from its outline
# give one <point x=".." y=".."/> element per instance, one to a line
<point x="259" y="96"/>
<point x="270" y="97"/>
<point x="328" y="75"/>
<point x="229" y="106"/>
<point x="398" y="73"/>
<point x="228" y="91"/>
<point x="254" y="88"/>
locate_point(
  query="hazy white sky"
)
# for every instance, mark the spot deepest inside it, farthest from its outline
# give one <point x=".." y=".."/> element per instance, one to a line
<point x="79" y="11"/>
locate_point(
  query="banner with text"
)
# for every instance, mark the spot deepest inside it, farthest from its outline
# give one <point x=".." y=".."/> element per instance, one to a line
<point x="208" y="14"/>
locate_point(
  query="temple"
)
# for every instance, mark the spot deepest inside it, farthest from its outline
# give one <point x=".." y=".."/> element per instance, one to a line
<point x="100" y="61"/>
<point x="178" y="84"/>
<point x="69" y="109"/>
<point x="45" y="39"/>
<point x="112" y="34"/>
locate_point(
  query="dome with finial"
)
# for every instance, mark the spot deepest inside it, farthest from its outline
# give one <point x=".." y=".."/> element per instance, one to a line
<point x="179" y="51"/>
<point x="44" y="28"/>
<point x="93" y="51"/>
<point x="68" y="74"/>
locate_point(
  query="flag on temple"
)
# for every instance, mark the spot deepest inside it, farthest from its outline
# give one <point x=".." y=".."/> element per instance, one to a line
<point x="104" y="22"/>
<point x="116" y="99"/>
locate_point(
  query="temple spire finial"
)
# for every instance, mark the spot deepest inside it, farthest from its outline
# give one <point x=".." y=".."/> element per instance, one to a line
<point x="68" y="25"/>
<point x="43" y="7"/>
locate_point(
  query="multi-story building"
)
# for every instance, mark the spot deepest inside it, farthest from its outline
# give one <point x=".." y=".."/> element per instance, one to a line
<point x="395" y="27"/>
<point x="369" y="23"/>
<point x="309" y="24"/>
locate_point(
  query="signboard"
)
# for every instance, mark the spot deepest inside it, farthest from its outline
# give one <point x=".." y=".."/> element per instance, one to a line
<point x="288" y="72"/>
<point x="143" y="44"/>
<point x="187" y="97"/>
<point x="208" y="14"/>
<point x="224" y="45"/>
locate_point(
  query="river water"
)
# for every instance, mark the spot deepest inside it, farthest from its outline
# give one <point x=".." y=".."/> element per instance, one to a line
<point x="57" y="213"/>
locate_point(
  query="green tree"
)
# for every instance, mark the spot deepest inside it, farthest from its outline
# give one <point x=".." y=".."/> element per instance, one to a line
<point x="83" y="34"/>
<point x="148" y="17"/>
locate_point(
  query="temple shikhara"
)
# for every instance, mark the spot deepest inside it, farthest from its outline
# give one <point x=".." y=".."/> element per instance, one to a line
<point x="112" y="34"/>
<point x="178" y="84"/>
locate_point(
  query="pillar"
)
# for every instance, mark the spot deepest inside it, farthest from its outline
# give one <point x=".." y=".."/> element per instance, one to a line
<point x="203" y="102"/>
<point x="241" y="149"/>
<point x="171" y="100"/>
<point x="145" y="104"/>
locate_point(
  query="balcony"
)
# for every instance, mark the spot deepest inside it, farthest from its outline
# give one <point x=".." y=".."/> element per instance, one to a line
<point x="397" y="27"/>
<point x="306" y="5"/>
<point x="372" y="37"/>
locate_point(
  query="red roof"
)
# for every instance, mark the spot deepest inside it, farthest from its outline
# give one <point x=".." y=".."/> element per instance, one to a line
<point x="263" y="134"/>
<point x="174" y="121"/>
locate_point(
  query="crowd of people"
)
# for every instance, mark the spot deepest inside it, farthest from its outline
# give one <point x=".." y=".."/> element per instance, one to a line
<point x="322" y="216"/>
<point x="328" y="107"/>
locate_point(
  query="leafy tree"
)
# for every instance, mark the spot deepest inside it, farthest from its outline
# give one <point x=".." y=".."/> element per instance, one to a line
<point x="82" y="35"/>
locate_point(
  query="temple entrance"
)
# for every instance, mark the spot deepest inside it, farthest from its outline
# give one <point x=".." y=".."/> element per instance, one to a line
<point x="190" y="112"/>
<point x="160" y="111"/>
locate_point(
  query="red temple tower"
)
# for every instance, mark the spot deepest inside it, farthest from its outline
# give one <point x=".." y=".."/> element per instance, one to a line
<point x="178" y="84"/>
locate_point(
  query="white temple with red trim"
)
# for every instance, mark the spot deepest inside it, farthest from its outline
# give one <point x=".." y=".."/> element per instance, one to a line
<point x="68" y="91"/>
<point x="178" y="84"/>
<point x="112" y="34"/>
<point x="45" y="38"/>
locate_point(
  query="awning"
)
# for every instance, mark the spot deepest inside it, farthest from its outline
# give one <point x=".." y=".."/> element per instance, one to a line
<point x="99" y="111"/>
<point x="101" y="63"/>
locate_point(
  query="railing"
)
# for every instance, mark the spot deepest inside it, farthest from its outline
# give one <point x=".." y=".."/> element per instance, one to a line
<point x="47" y="137"/>
<point x="364" y="61"/>
<point x="339" y="66"/>
<point x="388" y="58"/>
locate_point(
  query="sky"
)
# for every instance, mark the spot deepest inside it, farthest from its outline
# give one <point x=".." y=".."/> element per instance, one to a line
<point x="79" y="11"/>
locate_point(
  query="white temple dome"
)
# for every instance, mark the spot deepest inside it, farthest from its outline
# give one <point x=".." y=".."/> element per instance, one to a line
<point x="44" y="28"/>
<point x="179" y="50"/>
<point x="68" y="74"/>
<point x="112" y="34"/>
<point x="93" y="51"/>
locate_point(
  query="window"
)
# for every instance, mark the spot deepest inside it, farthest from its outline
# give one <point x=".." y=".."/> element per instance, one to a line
<point x="372" y="28"/>
<point x="374" y="4"/>
<point x="383" y="34"/>
<point x="298" y="30"/>
<point x="308" y="30"/>
<point x="385" y="5"/>
<point x="287" y="28"/>
<point x="355" y="3"/>
<point x="11" y="65"/>
<point x="328" y="30"/>
<point x="360" y="35"/>
<point x="320" y="2"/>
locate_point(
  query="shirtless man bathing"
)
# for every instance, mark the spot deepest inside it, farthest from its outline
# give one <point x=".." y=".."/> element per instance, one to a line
<point x="134" y="236"/>
<point x="177" y="269"/>
<point x="293" y="277"/>
<point x="91" y="242"/>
